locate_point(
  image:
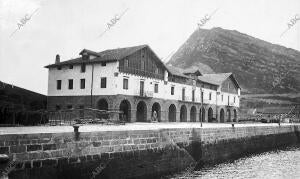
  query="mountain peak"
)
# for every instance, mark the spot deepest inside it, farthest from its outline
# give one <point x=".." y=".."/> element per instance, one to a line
<point x="261" y="67"/>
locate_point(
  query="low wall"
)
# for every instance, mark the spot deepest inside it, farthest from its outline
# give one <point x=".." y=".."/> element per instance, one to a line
<point x="136" y="153"/>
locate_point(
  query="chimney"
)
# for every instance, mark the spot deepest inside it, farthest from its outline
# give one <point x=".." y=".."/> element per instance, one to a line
<point x="57" y="59"/>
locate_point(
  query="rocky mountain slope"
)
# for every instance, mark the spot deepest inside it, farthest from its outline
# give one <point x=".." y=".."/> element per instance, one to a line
<point x="259" y="66"/>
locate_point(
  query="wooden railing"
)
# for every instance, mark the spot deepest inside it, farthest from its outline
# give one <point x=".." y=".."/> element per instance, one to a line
<point x="140" y="72"/>
<point x="146" y="93"/>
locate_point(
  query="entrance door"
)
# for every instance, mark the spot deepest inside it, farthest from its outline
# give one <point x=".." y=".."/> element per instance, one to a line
<point x="141" y="88"/>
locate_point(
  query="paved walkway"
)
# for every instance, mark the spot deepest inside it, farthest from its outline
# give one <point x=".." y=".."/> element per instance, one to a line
<point x="129" y="126"/>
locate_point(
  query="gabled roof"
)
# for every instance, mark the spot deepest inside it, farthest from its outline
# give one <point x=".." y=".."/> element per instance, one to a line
<point x="120" y="53"/>
<point x="192" y="70"/>
<point x="89" y="52"/>
<point x="176" y="71"/>
<point x="197" y="73"/>
<point x="107" y="55"/>
<point x="217" y="78"/>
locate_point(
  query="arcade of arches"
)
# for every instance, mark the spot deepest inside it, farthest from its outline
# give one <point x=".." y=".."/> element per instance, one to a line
<point x="172" y="113"/>
<point x="142" y="111"/>
<point x="183" y="114"/>
<point x="193" y="114"/>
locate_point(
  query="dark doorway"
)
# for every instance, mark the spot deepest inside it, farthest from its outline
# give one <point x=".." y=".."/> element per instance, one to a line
<point x="193" y="114"/>
<point x="228" y="115"/>
<point x="141" y="112"/>
<point x="156" y="112"/>
<point x="202" y="115"/>
<point x="222" y="115"/>
<point x="234" y="115"/>
<point x="183" y="113"/>
<point x="210" y="115"/>
<point x="125" y="107"/>
<point x="172" y="113"/>
<point x="102" y="105"/>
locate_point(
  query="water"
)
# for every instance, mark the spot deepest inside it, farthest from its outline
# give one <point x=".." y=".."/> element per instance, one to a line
<point x="283" y="163"/>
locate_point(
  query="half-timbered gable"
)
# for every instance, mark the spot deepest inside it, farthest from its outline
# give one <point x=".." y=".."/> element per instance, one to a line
<point x="144" y="63"/>
<point x="229" y="85"/>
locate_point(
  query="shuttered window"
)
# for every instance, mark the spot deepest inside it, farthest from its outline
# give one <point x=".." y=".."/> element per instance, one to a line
<point x="103" y="82"/>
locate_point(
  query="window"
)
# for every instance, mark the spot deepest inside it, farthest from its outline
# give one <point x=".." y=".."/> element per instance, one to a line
<point x="70" y="66"/>
<point x="82" y="83"/>
<point x="183" y="94"/>
<point x="57" y="107"/>
<point x="82" y="68"/>
<point x="142" y="64"/>
<point x="234" y="99"/>
<point x="222" y="97"/>
<point x="59" y="68"/>
<point x="202" y="94"/>
<point x="58" y="84"/>
<point x="155" y="88"/>
<point x="193" y="95"/>
<point x="103" y="64"/>
<point x="172" y="90"/>
<point x="125" y="83"/>
<point x="126" y="64"/>
<point x="209" y="96"/>
<point x="156" y="70"/>
<point x="70" y="84"/>
<point x="103" y="82"/>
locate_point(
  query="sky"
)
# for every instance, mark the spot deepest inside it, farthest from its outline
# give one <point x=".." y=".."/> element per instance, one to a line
<point x="66" y="27"/>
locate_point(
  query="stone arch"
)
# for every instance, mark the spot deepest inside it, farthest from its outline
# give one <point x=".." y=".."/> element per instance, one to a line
<point x="210" y="114"/>
<point x="156" y="112"/>
<point x="193" y="113"/>
<point x="234" y="115"/>
<point x="141" y="112"/>
<point x="125" y="107"/>
<point x="172" y="113"/>
<point x="202" y="114"/>
<point x="102" y="104"/>
<point x="222" y="115"/>
<point x="183" y="114"/>
<point x="228" y="115"/>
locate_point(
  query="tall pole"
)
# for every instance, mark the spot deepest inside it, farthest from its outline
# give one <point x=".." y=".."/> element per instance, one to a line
<point x="92" y="83"/>
<point x="201" y="104"/>
<point x="217" y="105"/>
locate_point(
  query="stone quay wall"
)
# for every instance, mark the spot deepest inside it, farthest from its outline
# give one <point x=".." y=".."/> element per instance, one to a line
<point x="134" y="153"/>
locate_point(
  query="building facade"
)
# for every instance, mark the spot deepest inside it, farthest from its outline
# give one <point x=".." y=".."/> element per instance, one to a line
<point x="134" y="80"/>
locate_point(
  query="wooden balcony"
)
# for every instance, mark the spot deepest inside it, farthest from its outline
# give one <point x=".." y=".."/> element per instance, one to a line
<point x="139" y="72"/>
<point x="144" y="94"/>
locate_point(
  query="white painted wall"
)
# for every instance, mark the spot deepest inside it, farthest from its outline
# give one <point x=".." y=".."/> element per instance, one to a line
<point x="164" y="90"/>
<point x="115" y="85"/>
<point x="65" y="73"/>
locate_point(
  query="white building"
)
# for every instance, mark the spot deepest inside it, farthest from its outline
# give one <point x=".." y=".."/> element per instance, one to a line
<point x="135" y="81"/>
